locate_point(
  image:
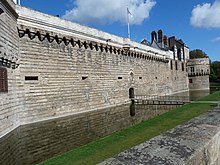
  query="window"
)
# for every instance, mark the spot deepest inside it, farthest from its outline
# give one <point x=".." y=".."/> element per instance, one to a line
<point x="176" y="65"/>
<point x="84" y="77"/>
<point x="182" y="66"/>
<point x="192" y="69"/>
<point x="131" y="78"/>
<point x="29" y="78"/>
<point x="3" y="80"/>
<point x="120" y="78"/>
<point x="190" y="81"/>
<point x="171" y="64"/>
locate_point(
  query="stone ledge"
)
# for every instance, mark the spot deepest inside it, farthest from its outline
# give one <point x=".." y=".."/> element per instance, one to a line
<point x="196" y="142"/>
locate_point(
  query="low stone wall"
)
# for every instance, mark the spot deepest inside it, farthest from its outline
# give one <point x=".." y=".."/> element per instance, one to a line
<point x="32" y="143"/>
<point x="195" y="143"/>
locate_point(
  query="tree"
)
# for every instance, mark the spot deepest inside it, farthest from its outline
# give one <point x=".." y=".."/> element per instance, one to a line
<point x="197" y="53"/>
<point x="215" y="70"/>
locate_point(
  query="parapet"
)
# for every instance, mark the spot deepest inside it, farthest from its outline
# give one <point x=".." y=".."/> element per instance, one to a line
<point x="37" y="21"/>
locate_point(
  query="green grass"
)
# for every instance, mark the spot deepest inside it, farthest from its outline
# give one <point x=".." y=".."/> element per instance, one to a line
<point x="109" y="146"/>
<point x="213" y="97"/>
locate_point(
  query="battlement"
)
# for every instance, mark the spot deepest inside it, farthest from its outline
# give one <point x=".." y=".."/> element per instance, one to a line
<point x="38" y="22"/>
<point x="198" y="67"/>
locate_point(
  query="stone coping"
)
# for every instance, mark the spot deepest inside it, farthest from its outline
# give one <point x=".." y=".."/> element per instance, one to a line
<point x="196" y="142"/>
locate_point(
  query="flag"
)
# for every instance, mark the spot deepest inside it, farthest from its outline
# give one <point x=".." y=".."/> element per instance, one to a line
<point x="129" y="12"/>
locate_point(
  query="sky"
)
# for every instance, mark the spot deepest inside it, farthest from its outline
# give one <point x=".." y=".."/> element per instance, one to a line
<point x="196" y="22"/>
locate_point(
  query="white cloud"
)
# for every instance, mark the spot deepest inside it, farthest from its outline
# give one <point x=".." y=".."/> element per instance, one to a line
<point x="109" y="11"/>
<point x="206" y="15"/>
<point x="217" y="39"/>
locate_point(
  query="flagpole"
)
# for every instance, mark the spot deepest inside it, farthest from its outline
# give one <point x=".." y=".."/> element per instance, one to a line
<point x="128" y="24"/>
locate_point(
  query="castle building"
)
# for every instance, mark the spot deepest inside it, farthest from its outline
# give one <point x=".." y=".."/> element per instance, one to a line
<point x="52" y="68"/>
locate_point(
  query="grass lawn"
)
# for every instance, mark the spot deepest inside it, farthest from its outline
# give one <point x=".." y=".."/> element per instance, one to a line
<point x="213" y="97"/>
<point x="111" y="145"/>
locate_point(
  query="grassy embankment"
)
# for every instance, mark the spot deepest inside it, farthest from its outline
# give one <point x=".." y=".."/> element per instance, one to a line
<point x="214" y="86"/>
<point x="109" y="146"/>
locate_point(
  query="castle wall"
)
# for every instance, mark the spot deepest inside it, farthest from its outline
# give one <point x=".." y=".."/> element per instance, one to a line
<point x="199" y="82"/>
<point x="10" y="104"/>
<point x="56" y="68"/>
<point x="75" y="74"/>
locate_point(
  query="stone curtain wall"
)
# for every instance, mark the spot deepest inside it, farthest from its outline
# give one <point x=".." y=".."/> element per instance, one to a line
<point x="199" y="82"/>
<point x="10" y="103"/>
<point x="55" y="71"/>
<point x="179" y="76"/>
<point x="61" y="79"/>
<point x="66" y="68"/>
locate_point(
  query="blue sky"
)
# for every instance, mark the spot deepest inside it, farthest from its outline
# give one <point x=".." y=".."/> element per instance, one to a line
<point x="196" y="22"/>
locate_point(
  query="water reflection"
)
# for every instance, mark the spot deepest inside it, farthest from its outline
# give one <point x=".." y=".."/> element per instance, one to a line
<point x="197" y="94"/>
<point x="193" y="95"/>
<point x="30" y="144"/>
<point x="33" y="143"/>
<point x="214" y="86"/>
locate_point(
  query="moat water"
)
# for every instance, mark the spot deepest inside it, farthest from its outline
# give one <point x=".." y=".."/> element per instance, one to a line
<point x="33" y="143"/>
<point x="194" y="95"/>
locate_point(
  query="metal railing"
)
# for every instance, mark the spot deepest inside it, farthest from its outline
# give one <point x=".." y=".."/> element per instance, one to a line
<point x="155" y="99"/>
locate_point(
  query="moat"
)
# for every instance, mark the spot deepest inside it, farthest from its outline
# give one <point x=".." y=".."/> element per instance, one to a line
<point x="64" y="84"/>
<point x="33" y="143"/>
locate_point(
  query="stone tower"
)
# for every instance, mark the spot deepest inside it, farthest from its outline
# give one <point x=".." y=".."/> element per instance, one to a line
<point x="198" y="72"/>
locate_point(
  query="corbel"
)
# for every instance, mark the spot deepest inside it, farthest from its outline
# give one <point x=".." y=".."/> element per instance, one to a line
<point x="106" y="48"/>
<point x="96" y="47"/>
<point x="57" y="39"/>
<point x="101" y="48"/>
<point x="21" y="33"/>
<point x="49" y="38"/>
<point x="66" y="41"/>
<point x="73" y="43"/>
<point x="114" y="50"/>
<point x="85" y="44"/>
<point x="91" y="45"/>
<point x="79" y="43"/>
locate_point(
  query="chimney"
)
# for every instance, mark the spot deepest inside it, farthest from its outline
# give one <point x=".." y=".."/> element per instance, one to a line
<point x="172" y="41"/>
<point x="165" y="40"/>
<point x="160" y="36"/>
<point x="153" y="36"/>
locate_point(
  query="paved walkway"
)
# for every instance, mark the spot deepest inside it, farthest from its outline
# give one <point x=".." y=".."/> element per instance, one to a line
<point x="215" y="102"/>
<point x="196" y="142"/>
